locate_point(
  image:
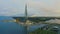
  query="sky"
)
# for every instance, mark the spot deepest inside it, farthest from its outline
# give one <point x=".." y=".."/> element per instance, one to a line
<point x="34" y="7"/>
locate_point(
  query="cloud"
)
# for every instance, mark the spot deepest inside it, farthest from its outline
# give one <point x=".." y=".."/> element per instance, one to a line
<point x="48" y="7"/>
<point x="35" y="7"/>
<point x="11" y="7"/>
<point x="10" y="12"/>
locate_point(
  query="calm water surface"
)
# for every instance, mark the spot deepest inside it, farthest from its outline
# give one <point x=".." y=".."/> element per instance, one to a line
<point x="14" y="28"/>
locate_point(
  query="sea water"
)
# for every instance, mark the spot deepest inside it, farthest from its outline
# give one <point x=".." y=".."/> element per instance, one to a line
<point x="14" y="28"/>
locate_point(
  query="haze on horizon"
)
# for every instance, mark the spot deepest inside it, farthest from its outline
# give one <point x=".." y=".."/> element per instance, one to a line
<point x="35" y="7"/>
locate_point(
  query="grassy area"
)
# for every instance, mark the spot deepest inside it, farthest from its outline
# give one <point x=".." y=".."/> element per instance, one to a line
<point x="39" y="31"/>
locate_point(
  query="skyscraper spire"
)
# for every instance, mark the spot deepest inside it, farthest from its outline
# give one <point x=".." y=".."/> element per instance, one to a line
<point x="26" y="10"/>
<point x="26" y="16"/>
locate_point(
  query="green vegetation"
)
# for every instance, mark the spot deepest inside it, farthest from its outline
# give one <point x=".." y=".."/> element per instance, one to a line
<point x="36" y="19"/>
<point x="39" y="31"/>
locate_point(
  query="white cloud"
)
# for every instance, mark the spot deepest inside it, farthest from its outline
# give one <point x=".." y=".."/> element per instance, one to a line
<point x="10" y="12"/>
<point x="35" y="7"/>
<point x="48" y="7"/>
<point x="11" y="7"/>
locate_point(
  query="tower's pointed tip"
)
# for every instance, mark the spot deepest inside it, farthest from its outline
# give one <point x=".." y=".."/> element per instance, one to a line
<point x="26" y="9"/>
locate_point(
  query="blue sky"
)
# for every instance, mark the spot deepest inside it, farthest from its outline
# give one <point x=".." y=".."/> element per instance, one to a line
<point x="35" y="7"/>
